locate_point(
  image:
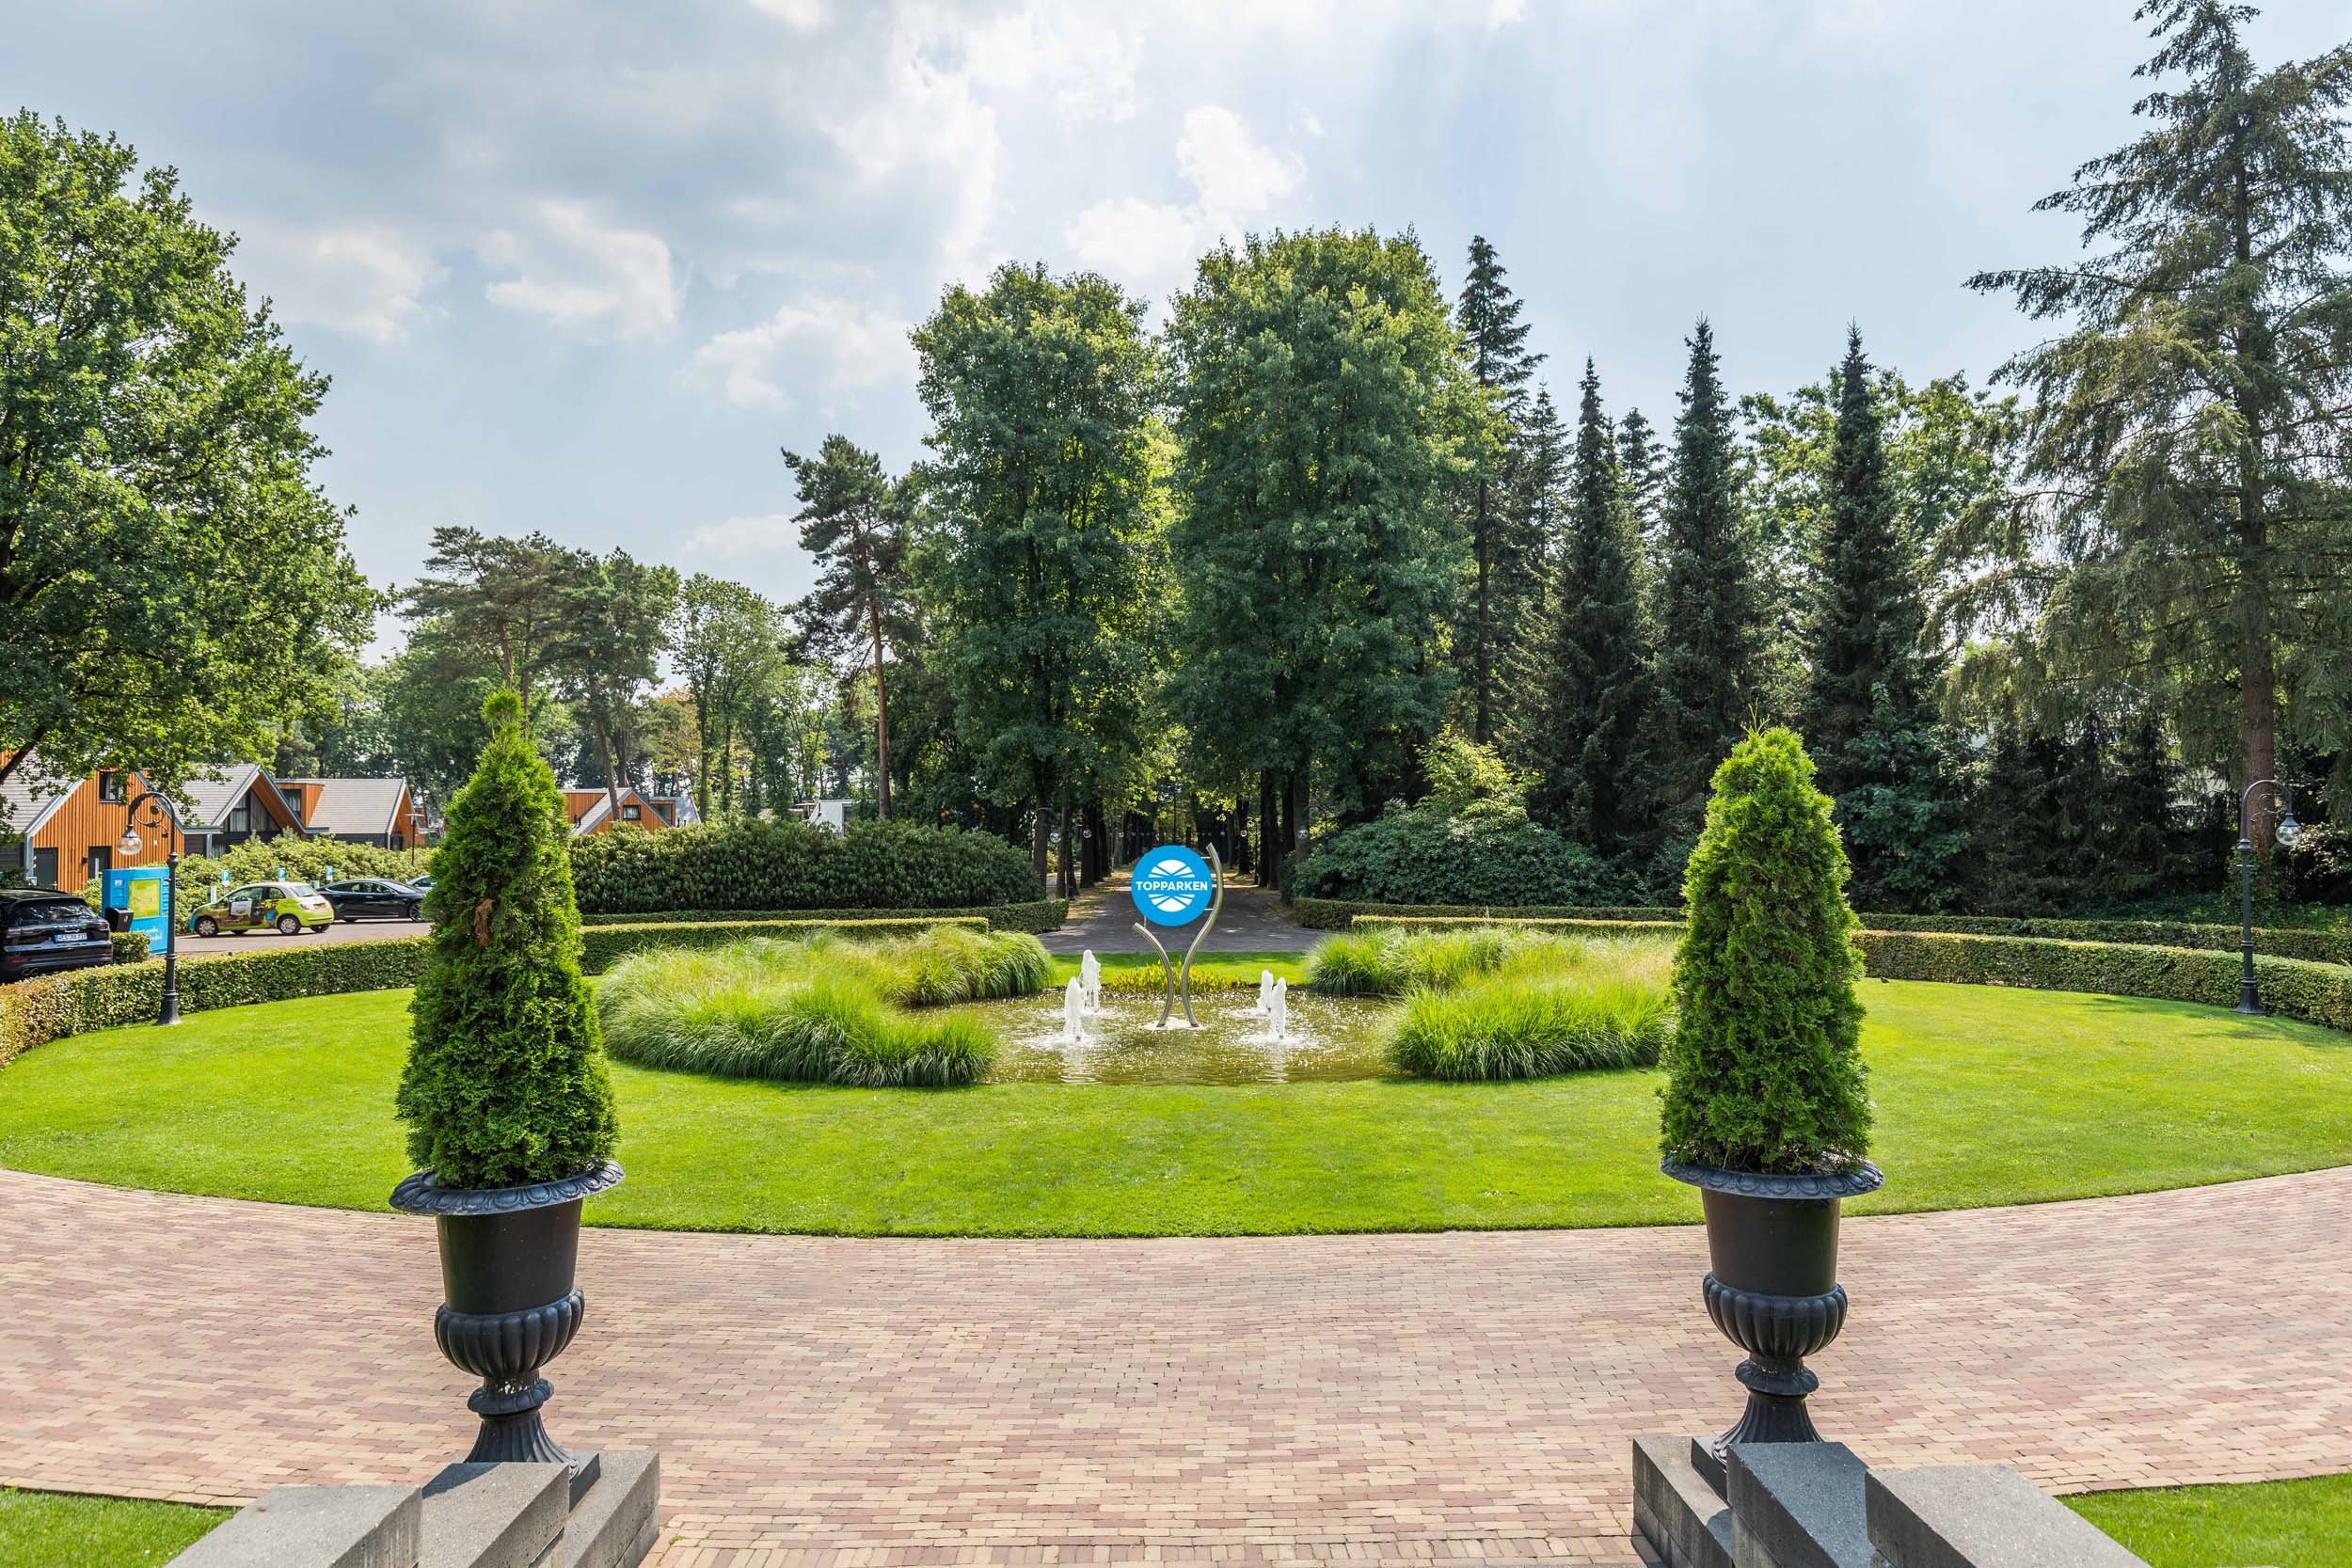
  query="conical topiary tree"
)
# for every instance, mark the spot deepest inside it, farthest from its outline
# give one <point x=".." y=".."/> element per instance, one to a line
<point x="506" y="1083"/>
<point x="1765" y="1072"/>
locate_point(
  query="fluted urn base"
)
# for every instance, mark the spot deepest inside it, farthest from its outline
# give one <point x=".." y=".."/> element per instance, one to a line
<point x="1773" y="1289"/>
<point x="507" y="1263"/>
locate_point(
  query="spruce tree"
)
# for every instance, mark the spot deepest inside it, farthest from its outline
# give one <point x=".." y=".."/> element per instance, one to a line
<point x="505" y="1084"/>
<point x="1586" y="670"/>
<point x="1764" y="1072"/>
<point x="1642" y="468"/>
<point x="1505" y="575"/>
<point x="1869" y="717"/>
<point x="1705" y="671"/>
<point x="1539" y="472"/>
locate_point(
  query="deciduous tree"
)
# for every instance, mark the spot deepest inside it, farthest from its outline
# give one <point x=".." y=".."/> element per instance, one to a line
<point x="854" y="520"/>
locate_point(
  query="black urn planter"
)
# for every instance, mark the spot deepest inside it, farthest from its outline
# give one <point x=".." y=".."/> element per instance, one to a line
<point x="508" y="1259"/>
<point x="1772" y="1284"/>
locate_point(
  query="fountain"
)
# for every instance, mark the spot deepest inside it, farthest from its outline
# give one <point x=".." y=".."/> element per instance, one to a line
<point x="1074" y="1013"/>
<point x="1265" y="993"/>
<point x="1091" y="981"/>
<point x="1279" y="1010"/>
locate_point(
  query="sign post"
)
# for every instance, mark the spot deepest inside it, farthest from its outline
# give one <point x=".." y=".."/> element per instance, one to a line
<point x="1170" y="886"/>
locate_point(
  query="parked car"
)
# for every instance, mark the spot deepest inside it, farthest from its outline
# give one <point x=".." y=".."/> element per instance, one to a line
<point x="292" y="908"/>
<point x="42" y="930"/>
<point x="374" y="898"/>
<point x="424" y="884"/>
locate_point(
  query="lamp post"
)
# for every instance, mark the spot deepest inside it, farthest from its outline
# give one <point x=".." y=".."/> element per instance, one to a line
<point x="2248" y="995"/>
<point x="130" y="845"/>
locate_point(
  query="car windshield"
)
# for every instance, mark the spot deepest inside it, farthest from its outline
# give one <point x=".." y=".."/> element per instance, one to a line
<point x="51" y="913"/>
<point x="301" y="889"/>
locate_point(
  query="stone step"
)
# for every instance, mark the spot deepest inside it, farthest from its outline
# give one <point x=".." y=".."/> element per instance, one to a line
<point x="1680" y="1517"/>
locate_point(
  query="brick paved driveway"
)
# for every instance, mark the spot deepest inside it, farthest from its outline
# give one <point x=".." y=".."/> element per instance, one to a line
<point x="1465" y="1395"/>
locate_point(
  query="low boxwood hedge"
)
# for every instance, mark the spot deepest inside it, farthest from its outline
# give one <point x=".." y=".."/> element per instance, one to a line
<point x="1334" y="914"/>
<point x="1599" y="925"/>
<point x="2299" y="988"/>
<point x="764" y="864"/>
<point x="1043" y="914"/>
<point x="33" y="1012"/>
<point x="130" y="946"/>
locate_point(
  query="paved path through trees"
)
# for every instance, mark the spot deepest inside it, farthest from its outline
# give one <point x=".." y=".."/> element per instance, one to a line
<point x="1252" y="921"/>
<point x="1292" y="1399"/>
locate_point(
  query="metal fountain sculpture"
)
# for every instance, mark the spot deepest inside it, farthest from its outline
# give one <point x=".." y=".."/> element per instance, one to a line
<point x="1169" y="886"/>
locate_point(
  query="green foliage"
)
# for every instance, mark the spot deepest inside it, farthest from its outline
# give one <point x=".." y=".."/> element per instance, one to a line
<point x="1320" y="406"/>
<point x="819" y="1009"/>
<point x="2184" y="526"/>
<point x="1041" y="556"/>
<point x="1042" y="914"/>
<point x="1489" y="851"/>
<point x="1586" y="663"/>
<point x="1463" y="773"/>
<point x="506" y="1083"/>
<point x="613" y="619"/>
<point x="1765" y="1072"/>
<point x="770" y="865"/>
<point x="1339" y="914"/>
<point x="730" y="646"/>
<point x="1708" y="678"/>
<point x="173" y="584"/>
<point x="1390" y="962"/>
<point x="306" y="860"/>
<point x="1499" y="520"/>
<point x="505" y="601"/>
<point x="1553" y="1005"/>
<point x="130" y="947"/>
<point x="2291" y="988"/>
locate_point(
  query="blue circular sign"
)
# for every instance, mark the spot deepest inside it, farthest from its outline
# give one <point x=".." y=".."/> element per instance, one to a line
<point x="1171" y="885"/>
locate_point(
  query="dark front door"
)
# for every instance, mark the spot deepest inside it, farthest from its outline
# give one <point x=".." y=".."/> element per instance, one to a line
<point x="44" y="868"/>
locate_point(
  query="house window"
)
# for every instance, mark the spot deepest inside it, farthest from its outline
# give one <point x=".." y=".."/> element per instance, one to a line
<point x="662" y="809"/>
<point x="112" y="790"/>
<point x="241" y="817"/>
<point x="102" y="860"/>
<point x="396" y="842"/>
<point x="631" y="812"/>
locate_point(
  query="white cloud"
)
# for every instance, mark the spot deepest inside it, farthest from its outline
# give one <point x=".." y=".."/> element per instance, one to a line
<point x="582" y="277"/>
<point x="1152" y="245"/>
<point x="1084" y="67"/>
<point x="763" y="552"/>
<point x="370" y="282"/>
<point x="803" y="356"/>
<point x="802" y="15"/>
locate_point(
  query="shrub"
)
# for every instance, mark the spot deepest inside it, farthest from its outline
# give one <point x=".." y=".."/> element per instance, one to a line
<point x="1392" y="962"/>
<point x="306" y="860"/>
<point x="1042" y="914"/>
<point x="506" y="1083"/>
<point x="1553" y="1006"/>
<point x="130" y="947"/>
<point x="1339" y="914"/>
<point x="1489" y="852"/>
<point x="774" y="866"/>
<point x="1765" y="1069"/>
<point x="2291" y="988"/>
<point x="819" y="1009"/>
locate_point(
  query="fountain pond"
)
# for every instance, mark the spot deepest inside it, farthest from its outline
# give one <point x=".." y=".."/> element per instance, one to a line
<point x="1303" y="1038"/>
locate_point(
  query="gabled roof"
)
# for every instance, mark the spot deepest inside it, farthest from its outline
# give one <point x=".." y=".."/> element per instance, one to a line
<point x="211" y="799"/>
<point x="29" y="797"/>
<point x="368" y="806"/>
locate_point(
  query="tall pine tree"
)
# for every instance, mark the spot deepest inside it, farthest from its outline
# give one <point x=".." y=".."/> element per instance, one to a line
<point x="1642" y="468"/>
<point x="1586" y="668"/>
<point x="1506" y="574"/>
<point x="1704" y="673"/>
<point x="1539" y="473"/>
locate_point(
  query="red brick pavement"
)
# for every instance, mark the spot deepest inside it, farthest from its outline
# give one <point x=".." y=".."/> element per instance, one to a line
<point x="1459" y="1396"/>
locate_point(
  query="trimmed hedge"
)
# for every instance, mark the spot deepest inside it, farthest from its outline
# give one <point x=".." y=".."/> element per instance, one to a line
<point x="2291" y="988"/>
<point x="130" y="946"/>
<point x="34" y="1012"/>
<point x="1042" y="915"/>
<point x="1334" y="914"/>
<point x="1600" y="927"/>
<point x="771" y="865"/>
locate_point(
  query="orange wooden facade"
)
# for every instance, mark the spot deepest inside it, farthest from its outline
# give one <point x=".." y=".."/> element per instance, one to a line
<point x="85" y="832"/>
<point x="651" y="813"/>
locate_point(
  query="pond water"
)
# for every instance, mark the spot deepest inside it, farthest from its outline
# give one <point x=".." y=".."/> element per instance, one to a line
<point x="1328" y="1039"/>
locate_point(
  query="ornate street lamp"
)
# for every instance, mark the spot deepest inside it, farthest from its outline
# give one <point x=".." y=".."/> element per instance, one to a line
<point x="2248" y="995"/>
<point x="164" y="815"/>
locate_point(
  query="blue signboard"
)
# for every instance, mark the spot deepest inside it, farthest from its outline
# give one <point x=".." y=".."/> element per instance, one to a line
<point x="140" y="890"/>
<point x="1171" y="885"/>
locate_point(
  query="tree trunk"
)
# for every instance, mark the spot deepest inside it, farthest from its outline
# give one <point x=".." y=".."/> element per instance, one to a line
<point x="882" y="715"/>
<point x="1066" y="872"/>
<point x="604" y="751"/>
<point x="1038" y="829"/>
<point x="1293" y="818"/>
<point x="1269" y="846"/>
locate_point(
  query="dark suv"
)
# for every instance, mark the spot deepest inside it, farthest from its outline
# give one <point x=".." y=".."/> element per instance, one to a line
<point x="42" y="930"/>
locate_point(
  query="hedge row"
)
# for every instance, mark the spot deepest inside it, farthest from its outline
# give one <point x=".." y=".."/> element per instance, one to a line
<point x="1331" y="914"/>
<point x="1336" y="914"/>
<point x="790" y="866"/>
<point x="1043" y="914"/>
<point x="2291" y="988"/>
<point x="1599" y="925"/>
<point x="33" y="1012"/>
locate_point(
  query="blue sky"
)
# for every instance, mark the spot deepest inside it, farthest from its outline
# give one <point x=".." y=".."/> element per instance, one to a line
<point x="585" y="268"/>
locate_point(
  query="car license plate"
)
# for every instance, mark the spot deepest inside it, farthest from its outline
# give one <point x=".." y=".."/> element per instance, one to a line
<point x="62" y="938"/>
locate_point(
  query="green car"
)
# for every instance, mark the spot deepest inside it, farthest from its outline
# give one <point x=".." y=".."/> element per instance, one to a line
<point x="293" y="908"/>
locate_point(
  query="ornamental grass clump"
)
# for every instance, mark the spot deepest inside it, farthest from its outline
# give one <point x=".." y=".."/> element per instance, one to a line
<point x="505" y="1084"/>
<point x="1390" y="962"/>
<point x="1764" y="1072"/>
<point x="1554" y="1004"/>
<point x="820" y="1009"/>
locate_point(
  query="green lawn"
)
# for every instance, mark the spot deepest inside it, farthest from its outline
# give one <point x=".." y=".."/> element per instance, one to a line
<point x="2279" y="1524"/>
<point x="1985" y="1096"/>
<point x="53" y="1529"/>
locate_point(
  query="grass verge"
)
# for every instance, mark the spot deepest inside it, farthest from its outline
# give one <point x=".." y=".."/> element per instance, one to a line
<point x="1985" y="1096"/>
<point x="2281" y="1524"/>
<point x="57" y="1529"/>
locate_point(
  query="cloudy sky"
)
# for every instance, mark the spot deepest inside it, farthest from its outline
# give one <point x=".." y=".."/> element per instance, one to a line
<point x="585" y="267"/>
